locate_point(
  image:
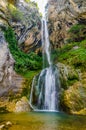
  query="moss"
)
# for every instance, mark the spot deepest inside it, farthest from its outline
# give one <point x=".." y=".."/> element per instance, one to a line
<point x="27" y="1"/>
<point x="3" y="109"/>
<point x="12" y="96"/>
<point x="71" y="82"/>
<point x="28" y="82"/>
<point x="77" y="32"/>
<point x="16" y="14"/>
<point x="73" y="54"/>
<point x="76" y="28"/>
<point x="81" y="112"/>
<point x="7" y="106"/>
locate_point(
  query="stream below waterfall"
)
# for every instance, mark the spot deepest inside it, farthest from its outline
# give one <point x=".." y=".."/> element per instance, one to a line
<point x="44" y="121"/>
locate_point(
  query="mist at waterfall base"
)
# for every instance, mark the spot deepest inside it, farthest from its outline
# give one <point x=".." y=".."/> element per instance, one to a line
<point x="45" y="87"/>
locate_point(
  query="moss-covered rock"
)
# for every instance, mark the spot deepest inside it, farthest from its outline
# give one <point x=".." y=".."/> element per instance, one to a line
<point x="15" y="105"/>
<point x="73" y="100"/>
<point x="73" y="89"/>
<point x="22" y="105"/>
<point x="68" y="75"/>
<point x="81" y="112"/>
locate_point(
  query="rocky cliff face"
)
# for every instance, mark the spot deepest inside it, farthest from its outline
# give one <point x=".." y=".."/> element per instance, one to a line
<point x="11" y="84"/>
<point x="25" y="20"/>
<point x="63" y="14"/>
<point x="23" y="17"/>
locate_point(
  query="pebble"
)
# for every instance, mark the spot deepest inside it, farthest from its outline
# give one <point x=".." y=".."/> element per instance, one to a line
<point x="8" y="123"/>
<point x="2" y="126"/>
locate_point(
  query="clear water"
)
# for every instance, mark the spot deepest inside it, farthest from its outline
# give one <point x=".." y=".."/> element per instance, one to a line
<point x="44" y="121"/>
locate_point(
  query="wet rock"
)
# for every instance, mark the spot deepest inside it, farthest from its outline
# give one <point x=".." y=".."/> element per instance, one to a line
<point x="8" y="123"/>
<point x="5" y="126"/>
<point x="75" y="47"/>
<point x="2" y="127"/>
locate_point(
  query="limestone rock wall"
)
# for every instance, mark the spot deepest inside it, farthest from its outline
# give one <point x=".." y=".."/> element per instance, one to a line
<point x="62" y="15"/>
<point x="24" y="18"/>
<point x="9" y="80"/>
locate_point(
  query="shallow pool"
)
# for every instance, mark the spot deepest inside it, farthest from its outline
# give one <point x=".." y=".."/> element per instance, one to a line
<point x="44" y="121"/>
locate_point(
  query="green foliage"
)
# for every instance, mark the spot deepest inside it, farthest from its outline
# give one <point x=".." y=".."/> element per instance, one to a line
<point x="76" y="28"/>
<point x="23" y="61"/>
<point x="27" y="1"/>
<point x="77" y="33"/>
<point x="73" y="54"/>
<point x="28" y="82"/>
<point x="16" y="14"/>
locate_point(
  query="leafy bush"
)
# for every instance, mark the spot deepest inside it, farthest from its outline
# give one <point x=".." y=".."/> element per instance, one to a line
<point x="77" y="32"/>
<point x="27" y="1"/>
<point x="73" y="54"/>
<point x="77" y="27"/>
<point x="23" y="61"/>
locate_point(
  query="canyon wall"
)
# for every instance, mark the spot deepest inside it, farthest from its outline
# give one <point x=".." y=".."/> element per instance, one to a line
<point x="63" y="14"/>
<point x="24" y="19"/>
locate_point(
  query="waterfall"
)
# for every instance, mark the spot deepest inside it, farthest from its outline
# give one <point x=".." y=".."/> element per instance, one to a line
<point x="46" y="85"/>
<point x="45" y="41"/>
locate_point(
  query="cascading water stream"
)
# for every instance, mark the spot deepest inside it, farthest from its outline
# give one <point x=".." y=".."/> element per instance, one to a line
<point x="45" y="40"/>
<point x="45" y="87"/>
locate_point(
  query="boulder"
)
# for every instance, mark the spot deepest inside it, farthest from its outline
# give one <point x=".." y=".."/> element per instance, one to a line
<point x="73" y="90"/>
<point x="68" y="75"/>
<point x="74" y="99"/>
<point x="22" y="105"/>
